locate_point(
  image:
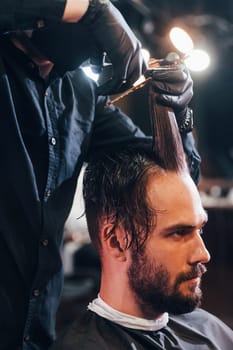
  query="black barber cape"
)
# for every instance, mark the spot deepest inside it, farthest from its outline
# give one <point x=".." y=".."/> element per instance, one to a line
<point x="198" y="330"/>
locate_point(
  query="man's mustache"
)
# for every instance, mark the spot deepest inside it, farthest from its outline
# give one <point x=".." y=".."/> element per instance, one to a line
<point x="196" y="271"/>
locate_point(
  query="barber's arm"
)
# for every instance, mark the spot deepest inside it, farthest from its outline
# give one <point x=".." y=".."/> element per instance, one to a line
<point x="30" y="14"/>
<point x="74" y="10"/>
<point x="105" y="27"/>
<point x="110" y="34"/>
<point x="113" y="128"/>
<point x="113" y="36"/>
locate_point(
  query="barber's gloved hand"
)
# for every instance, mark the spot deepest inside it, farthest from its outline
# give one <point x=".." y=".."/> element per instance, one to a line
<point x="113" y="36"/>
<point x="175" y="90"/>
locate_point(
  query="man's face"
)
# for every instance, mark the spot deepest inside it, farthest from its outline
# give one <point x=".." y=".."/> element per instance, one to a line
<point x="166" y="276"/>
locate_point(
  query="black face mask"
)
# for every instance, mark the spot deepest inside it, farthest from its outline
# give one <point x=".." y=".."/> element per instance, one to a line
<point x="67" y="45"/>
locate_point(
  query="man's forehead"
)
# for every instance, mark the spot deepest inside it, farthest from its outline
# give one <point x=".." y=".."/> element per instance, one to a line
<point x="169" y="178"/>
<point x="173" y="189"/>
<point x="176" y="202"/>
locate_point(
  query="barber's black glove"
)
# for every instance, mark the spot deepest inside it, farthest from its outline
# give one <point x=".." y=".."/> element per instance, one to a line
<point x="175" y="89"/>
<point x="113" y="36"/>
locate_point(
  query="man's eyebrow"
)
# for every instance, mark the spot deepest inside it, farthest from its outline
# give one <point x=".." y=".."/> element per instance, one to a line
<point x="178" y="227"/>
<point x="184" y="226"/>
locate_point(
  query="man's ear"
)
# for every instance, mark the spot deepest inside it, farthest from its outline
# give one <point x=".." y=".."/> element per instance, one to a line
<point x="117" y="243"/>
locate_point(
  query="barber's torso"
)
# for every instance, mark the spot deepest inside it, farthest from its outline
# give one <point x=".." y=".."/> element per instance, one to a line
<point x="47" y="130"/>
<point x="45" y="134"/>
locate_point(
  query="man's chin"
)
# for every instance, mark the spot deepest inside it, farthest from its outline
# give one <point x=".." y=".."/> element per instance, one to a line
<point x="176" y="304"/>
<point x="184" y="301"/>
<point x="191" y="290"/>
<point x="185" y="304"/>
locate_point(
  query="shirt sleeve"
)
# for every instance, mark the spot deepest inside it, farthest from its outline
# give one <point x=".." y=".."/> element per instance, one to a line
<point x="193" y="157"/>
<point x="113" y="128"/>
<point x="29" y="14"/>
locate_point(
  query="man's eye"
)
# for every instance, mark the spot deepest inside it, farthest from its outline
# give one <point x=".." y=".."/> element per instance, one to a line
<point x="178" y="233"/>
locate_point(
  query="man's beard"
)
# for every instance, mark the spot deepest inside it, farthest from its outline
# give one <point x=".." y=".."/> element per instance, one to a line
<point x="155" y="294"/>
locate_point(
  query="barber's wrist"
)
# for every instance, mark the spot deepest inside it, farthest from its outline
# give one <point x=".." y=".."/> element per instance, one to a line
<point x="75" y="10"/>
<point x="94" y="7"/>
<point x="185" y="120"/>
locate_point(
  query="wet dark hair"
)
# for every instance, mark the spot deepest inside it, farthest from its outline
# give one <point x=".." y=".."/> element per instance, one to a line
<point x="115" y="182"/>
<point x="114" y="188"/>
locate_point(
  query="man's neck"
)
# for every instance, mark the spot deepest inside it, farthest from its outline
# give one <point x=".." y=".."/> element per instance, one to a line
<point x="104" y="310"/>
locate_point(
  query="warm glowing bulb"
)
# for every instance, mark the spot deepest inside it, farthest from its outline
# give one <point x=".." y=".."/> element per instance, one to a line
<point x="198" y="60"/>
<point x="181" y="40"/>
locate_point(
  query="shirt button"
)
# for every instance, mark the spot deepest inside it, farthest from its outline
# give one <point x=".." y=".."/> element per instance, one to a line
<point x="48" y="193"/>
<point x="53" y="141"/>
<point x="26" y="338"/>
<point x="40" y="23"/>
<point x="36" y="293"/>
<point x="45" y="242"/>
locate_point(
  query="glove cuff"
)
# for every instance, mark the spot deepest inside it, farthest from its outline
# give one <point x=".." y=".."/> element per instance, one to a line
<point x="185" y="121"/>
<point x="93" y="8"/>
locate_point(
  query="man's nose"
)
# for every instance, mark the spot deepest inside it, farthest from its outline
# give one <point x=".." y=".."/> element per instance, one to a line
<point x="199" y="251"/>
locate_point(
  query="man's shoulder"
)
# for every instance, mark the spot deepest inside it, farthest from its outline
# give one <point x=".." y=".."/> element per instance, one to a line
<point x="90" y="332"/>
<point x="203" y="324"/>
<point x="78" y="335"/>
<point x="193" y="318"/>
